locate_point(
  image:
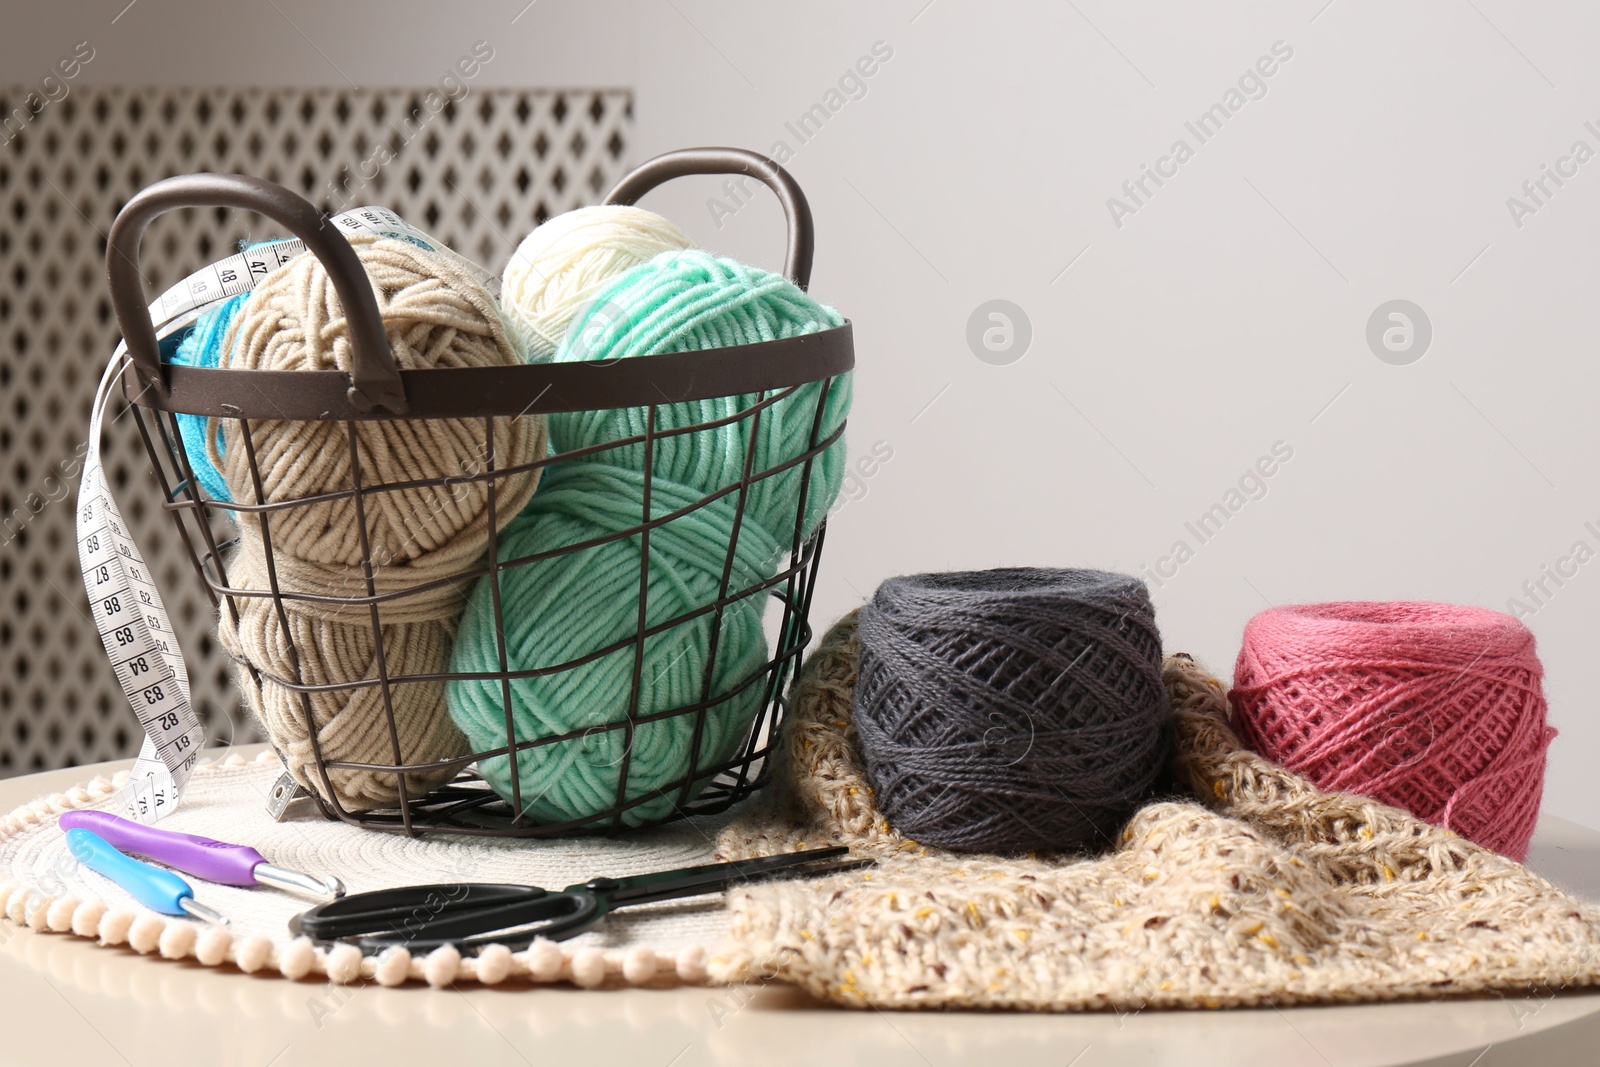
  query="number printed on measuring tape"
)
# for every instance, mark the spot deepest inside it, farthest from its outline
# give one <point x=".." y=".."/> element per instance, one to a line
<point x="123" y="598"/>
<point x="243" y="272"/>
<point x="137" y="634"/>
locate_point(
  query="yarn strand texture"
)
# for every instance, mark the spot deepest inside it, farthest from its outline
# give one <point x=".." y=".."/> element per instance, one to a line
<point x="564" y="262"/>
<point x="202" y="346"/>
<point x="1010" y="710"/>
<point x="1435" y="708"/>
<point x="1252" y="888"/>
<point x="417" y="539"/>
<point x="649" y="716"/>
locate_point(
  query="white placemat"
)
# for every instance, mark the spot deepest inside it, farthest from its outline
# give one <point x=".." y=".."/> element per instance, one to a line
<point x="44" y="887"/>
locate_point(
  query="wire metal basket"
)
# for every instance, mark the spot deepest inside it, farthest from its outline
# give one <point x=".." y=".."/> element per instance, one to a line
<point x="374" y="389"/>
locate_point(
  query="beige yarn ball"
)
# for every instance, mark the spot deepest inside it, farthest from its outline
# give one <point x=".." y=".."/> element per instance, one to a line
<point x="436" y="315"/>
<point x="562" y="264"/>
<point x="351" y="723"/>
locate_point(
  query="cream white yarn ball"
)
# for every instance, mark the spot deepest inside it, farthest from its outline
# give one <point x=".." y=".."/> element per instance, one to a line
<point x="561" y="265"/>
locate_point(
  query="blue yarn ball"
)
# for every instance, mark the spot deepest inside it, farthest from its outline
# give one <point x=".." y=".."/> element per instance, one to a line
<point x="202" y="347"/>
<point x="570" y="606"/>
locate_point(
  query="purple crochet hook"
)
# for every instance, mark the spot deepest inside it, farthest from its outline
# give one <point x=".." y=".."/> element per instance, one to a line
<point x="215" y="861"/>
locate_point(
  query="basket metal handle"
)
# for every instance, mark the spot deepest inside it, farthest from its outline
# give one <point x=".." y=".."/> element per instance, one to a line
<point x="689" y="161"/>
<point x="375" y="380"/>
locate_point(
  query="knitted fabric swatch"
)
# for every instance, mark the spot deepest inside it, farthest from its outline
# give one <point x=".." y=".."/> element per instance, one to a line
<point x="1264" y="890"/>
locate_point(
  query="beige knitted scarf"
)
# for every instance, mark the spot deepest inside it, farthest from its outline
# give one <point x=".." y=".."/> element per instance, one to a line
<point x="1257" y="889"/>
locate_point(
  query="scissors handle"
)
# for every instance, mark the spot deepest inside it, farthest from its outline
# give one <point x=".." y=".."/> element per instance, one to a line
<point x="422" y="918"/>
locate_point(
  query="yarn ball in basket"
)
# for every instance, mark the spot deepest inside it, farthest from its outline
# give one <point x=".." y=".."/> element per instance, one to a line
<point x="1011" y="710"/>
<point x="683" y="301"/>
<point x="567" y="259"/>
<point x="420" y="539"/>
<point x="351" y="722"/>
<point x="201" y="346"/>
<point x="563" y="608"/>
<point x="1435" y="708"/>
<point x="436" y="316"/>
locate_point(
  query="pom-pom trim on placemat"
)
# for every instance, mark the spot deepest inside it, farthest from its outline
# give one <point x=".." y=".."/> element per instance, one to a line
<point x="544" y="962"/>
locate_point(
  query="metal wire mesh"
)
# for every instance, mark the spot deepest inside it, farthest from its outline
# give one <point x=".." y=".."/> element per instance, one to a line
<point x="467" y="805"/>
<point x="478" y="176"/>
<point x="754" y="376"/>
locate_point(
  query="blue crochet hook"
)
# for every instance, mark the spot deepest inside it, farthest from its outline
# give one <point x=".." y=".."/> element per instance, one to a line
<point x="154" y="887"/>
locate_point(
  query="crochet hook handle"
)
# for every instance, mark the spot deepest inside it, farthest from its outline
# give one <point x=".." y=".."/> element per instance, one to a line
<point x="153" y="887"/>
<point x="215" y="861"/>
<point x="203" y="857"/>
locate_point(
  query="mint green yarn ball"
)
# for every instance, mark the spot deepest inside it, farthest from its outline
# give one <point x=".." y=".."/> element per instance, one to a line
<point x="569" y="607"/>
<point x="564" y="608"/>
<point x="686" y="300"/>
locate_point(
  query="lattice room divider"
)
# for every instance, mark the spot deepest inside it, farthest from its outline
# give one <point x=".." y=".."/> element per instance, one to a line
<point x="478" y="175"/>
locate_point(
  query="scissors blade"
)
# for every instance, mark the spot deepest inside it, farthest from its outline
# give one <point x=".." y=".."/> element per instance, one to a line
<point x="472" y="915"/>
<point x="716" y="877"/>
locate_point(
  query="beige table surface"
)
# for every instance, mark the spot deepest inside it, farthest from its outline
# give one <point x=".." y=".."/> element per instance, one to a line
<point x="64" y="1000"/>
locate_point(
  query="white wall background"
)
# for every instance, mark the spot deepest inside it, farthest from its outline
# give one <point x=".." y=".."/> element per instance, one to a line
<point x="1227" y="314"/>
<point x="365" y="44"/>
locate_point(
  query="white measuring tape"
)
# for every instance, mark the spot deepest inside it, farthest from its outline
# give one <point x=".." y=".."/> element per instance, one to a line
<point x="123" y="598"/>
<point x="178" y="306"/>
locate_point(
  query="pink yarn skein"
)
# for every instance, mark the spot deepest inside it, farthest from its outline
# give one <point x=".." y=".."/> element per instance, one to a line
<point x="1435" y="708"/>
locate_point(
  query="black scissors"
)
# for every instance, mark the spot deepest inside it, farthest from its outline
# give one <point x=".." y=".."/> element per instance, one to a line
<point x="470" y="915"/>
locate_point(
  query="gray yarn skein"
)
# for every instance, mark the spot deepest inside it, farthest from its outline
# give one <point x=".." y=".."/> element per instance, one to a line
<point x="1011" y="710"/>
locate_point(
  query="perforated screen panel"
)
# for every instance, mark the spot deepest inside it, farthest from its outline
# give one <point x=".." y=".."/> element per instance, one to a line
<point x="478" y="174"/>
